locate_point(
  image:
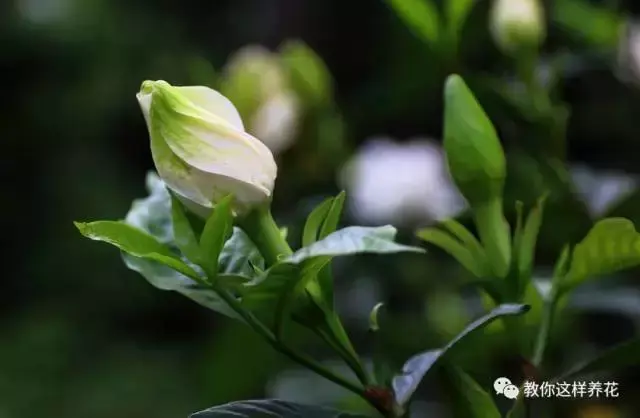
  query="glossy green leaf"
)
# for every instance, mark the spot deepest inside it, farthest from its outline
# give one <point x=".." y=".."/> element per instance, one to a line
<point x="354" y="240"/>
<point x="270" y="408"/>
<point x="185" y="238"/>
<point x="216" y="232"/>
<point x="420" y="16"/>
<point x="455" y="248"/>
<point x="416" y="368"/>
<point x="619" y="357"/>
<point x="468" y="398"/>
<point x="135" y="242"/>
<point x="613" y="244"/>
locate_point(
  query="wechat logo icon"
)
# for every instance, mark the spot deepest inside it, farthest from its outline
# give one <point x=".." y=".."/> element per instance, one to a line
<point x="503" y="386"/>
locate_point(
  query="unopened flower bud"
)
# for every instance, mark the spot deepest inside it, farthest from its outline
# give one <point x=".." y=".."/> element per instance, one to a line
<point x="517" y="25"/>
<point x="201" y="150"/>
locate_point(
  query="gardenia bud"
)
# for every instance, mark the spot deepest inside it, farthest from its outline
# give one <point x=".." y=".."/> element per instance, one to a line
<point x="257" y="82"/>
<point x="201" y="150"/>
<point x="517" y="24"/>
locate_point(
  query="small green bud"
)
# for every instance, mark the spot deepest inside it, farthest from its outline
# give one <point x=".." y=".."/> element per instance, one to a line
<point x="478" y="167"/>
<point x="474" y="153"/>
<point x="517" y="25"/>
<point x="309" y="75"/>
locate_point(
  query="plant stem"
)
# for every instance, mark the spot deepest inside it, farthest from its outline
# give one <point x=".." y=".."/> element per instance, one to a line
<point x="266" y="235"/>
<point x="494" y="235"/>
<point x="279" y="346"/>
<point x="545" y="327"/>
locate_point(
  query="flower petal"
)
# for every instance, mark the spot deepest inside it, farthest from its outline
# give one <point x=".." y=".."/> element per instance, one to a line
<point x="213" y="102"/>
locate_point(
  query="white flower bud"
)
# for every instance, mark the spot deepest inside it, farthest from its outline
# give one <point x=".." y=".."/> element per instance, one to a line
<point x="517" y="24"/>
<point x="201" y="150"/>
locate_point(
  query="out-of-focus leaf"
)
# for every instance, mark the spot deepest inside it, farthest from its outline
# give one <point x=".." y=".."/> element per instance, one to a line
<point x="466" y="237"/>
<point x="613" y="244"/>
<point x="619" y="357"/>
<point x="598" y="26"/>
<point x="309" y="75"/>
<point x="415" y="369"/>
<point x="469" y="400"/>
<point x="456" y="12"/>
<point x="526" y="249"/>
<point x="456" y="249"/>
<point x="270" y="408"/>
<point x="420" y="16"/>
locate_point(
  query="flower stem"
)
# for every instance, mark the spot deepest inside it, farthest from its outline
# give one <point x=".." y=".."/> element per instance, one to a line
<point x="266" y="235"/>
<point x="282" y="348"/>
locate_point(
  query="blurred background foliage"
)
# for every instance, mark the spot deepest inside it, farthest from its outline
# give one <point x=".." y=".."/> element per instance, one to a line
<point x="80" y="335"/>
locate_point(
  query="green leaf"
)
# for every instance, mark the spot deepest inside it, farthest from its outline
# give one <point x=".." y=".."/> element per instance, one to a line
<point x="613" y="244"/>
<point x="304" y="264"/>
<point x="373" y="317"/>
<point x="314" y="222"/>
<point x="332" y="219"/>
<point x="354" y="240"/>
<point x="455" y="248"/>
<point x="470" y="400"/>
<point x="529" y="239"/>
<point x="421" y="17"/>
<point x="216" y="232"/>
<point x="416" y="368"/>
<point x="330" y="224"/>
<point x="185" y="239"/>
<point x="135" y="242"/>
<point x="456" y="12"/>
<point x="596" y="25"/>
<point x="466" y="237"/>
<point x="153" y="214"/>
<point x="619" y="357"/>
<point x="270" y="408"/>
<point x="240" y="255"/>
